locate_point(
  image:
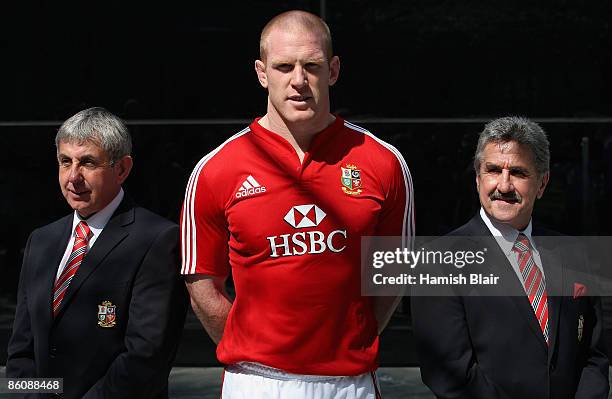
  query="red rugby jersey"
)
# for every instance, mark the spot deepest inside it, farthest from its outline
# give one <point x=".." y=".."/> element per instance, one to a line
<point x="291" y="234"/>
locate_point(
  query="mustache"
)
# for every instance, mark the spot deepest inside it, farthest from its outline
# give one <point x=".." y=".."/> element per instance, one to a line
<point x="511" y="196"/>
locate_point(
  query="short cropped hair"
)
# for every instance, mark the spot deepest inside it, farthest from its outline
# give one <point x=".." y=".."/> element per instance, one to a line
<point x="297" y="20"/>
<point x="521" y="130"/>
<point x="99" y="126"/>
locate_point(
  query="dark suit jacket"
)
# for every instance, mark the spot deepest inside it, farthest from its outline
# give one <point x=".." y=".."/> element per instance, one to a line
<point x="477" y="346"/>
<point x="134" y="265"/>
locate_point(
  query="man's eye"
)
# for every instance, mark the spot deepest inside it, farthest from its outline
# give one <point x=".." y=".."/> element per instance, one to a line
<point x="284" y="67"/>
<point x="65" y="163"/>
<point x="89" y="164"/>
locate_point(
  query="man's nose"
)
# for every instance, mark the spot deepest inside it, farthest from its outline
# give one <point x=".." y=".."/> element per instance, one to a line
<point x="298" y="79"/>
<point x="74" y="175"/>
<point x="504" y="183"/>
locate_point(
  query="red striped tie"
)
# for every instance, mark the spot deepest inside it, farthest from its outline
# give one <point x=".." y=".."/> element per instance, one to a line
<point x="79" y="249"/>
<point x="533" y="282"/>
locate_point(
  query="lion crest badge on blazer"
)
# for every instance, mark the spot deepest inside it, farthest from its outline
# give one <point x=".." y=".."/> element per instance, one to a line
<point x="580" y="327"/>
<point x="107" y="316"/>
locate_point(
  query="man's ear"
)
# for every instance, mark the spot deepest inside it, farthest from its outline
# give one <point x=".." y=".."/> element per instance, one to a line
<point x="545" y="179"/>
<point x="123" y="168"/>
<point x="260" y="69"/>
<point x="334" y="70"/>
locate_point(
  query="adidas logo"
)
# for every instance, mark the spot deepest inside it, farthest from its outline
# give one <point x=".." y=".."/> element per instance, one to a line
<point x="250" y="187"/>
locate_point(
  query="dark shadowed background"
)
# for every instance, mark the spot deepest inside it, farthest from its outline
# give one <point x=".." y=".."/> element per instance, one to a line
<point x="424" y="75"/>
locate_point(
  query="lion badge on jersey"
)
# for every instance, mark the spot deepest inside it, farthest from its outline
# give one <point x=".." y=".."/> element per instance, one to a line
<point x="107" y="316"/>
<point x="351" y="180"/>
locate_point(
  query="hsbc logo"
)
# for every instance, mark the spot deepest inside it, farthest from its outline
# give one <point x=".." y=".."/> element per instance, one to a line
<point x="304" y="216"/>
<point x="306" y="242"/>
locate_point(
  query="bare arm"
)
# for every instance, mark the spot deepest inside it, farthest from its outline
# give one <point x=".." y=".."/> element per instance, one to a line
<point x="384" y="306"/>
<point x="210" y="302"/>
<point x="396" y="220"/>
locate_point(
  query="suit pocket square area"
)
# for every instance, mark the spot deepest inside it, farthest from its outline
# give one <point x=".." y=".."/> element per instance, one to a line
<point x="579" y="290"/>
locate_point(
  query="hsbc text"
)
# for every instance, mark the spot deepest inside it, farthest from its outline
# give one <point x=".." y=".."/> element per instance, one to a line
<point x="306" y="242"/>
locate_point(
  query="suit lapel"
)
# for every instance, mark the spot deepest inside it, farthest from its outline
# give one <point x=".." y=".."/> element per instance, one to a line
<point x="554" y="277"/>
<point x="112" y="234"/>
<point x="517" y="296"/>
<point x="52" y="250"/>
<point x="526" y="310"/>
<point x="512" y="284"/>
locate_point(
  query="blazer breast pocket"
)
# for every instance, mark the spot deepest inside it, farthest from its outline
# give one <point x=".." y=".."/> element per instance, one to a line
<point x="111" y="288"/>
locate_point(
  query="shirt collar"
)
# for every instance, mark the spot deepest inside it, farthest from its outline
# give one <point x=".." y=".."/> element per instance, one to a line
<point x="504" y="233"/>
<point x="98" y="221"/>
<point x="320" y="139"/>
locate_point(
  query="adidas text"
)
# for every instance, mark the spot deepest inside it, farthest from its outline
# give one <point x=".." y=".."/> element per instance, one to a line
<point x="250" y="191"/>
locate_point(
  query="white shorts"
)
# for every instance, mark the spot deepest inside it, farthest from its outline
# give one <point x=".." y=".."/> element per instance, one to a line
<point x="255" y="381"/>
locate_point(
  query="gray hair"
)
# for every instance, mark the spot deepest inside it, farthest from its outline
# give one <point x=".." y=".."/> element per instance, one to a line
<point x="521" y="130"/>
<point x="99" y="126"/>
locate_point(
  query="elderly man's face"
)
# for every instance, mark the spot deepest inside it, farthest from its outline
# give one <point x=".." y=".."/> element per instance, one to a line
<point x="508" y="183"/>
<point x="297" y="74"/>
<point x="87" y="178"/>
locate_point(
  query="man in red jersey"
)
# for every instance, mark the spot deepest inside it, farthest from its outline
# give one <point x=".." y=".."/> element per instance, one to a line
<point x="284" y="204"/>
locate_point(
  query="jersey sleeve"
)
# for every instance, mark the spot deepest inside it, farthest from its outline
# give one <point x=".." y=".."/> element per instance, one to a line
<point x="204" y="231"/>
<point x="397" y="216"/>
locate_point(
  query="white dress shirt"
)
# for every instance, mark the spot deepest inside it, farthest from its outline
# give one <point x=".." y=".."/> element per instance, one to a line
<point x="96" y="224"/>
<point x="506" y="236"/>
